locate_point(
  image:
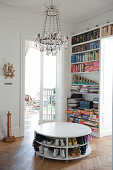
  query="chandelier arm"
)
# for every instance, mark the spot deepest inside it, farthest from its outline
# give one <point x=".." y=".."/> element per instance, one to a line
<point x="59" y="24"/>
<point x="49" y="24"/>
<point x="53" y="23"/>
<point x="44" y="25"/>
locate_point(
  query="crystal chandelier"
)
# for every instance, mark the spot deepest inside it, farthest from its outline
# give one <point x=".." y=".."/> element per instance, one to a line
<point x="51" y="40"/>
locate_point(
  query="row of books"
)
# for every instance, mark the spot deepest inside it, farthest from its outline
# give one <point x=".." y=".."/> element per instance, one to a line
<point x="85" y="89"/>
<point x="85" y="47"/>
<point x="94" y="89"/>
<point x="85" y="67"/>
<point x="107" y="30"/>
<point x="85" y="57"/>
<point x="86" y="36"/>
<point x="83" y="81"/>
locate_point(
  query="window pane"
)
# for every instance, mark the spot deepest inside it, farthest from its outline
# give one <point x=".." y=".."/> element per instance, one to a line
<point x="49" y="79"/>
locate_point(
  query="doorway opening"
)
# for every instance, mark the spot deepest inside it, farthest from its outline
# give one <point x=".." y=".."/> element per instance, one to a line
<point x="40" y="87"/>
<point x="32" y="85"/>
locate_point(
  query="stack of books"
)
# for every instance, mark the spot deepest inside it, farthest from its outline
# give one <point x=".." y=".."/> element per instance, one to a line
<point x="84" y="89"/>
<point x="95" y="103"/>
<point x="94" y="89"/>
<point x="75" y="88"/>
<point x="73" y="103"/>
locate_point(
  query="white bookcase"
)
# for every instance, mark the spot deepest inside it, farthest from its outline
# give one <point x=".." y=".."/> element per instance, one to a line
<point x="99" y="76"/>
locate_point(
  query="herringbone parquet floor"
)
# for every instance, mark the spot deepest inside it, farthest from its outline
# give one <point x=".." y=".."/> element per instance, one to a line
<point x="20" y="155"/>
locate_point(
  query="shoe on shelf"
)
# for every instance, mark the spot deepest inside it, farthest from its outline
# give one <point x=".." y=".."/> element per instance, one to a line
<point x="57" y="142"/>
<point x="83" y="150"/>
<point x="84" y="139"/>
<point x="80" y="140"/>
<point x="41" y="149"/>
<point x="46" y="150"/>
<point x="44" y="141"/>
<point x="72" y="152"/>
<point x="69" y="142"/>
<point x="74" y="141"/>
<point x="62" y="143"/>
<point x="55" y="153"/>
<point x="90" y="137"/>
<point x="62" y="153"/>
<point x="78" y="151"/>
<point x="49" y="142"/>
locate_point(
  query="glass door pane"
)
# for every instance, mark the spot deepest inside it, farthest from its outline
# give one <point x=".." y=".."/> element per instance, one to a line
<point x="49" y="87"/>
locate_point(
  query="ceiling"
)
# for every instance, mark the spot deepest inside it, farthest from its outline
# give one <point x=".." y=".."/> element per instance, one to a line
<point x="71" y="10"/>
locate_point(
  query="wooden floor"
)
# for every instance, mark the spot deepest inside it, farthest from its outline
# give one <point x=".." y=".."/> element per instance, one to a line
<point x="21" y="156"/>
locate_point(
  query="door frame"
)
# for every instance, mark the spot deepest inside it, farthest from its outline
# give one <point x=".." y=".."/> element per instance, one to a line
<point x="23" y="38"/>
<point x="61" y="83"/>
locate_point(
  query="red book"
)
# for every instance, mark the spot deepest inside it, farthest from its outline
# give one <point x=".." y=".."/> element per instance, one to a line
<point x="72" y="68"/>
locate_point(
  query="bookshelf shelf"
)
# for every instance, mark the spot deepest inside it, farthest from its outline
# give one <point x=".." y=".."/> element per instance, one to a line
<point x="84" y="85"/>
<point x="85" y="93"/>
<point x="86" y="72"/>
<point x="74" y="45"/>
<point x="87" y="51"/>
<point x="85" y="62"/>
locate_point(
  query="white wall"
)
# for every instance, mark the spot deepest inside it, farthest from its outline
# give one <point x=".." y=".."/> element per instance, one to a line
<point x="15" y="25"/>
<point x="91" y="22"/>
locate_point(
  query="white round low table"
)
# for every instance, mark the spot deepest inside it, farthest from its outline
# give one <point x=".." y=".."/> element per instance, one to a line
<point x="65" y="131"/>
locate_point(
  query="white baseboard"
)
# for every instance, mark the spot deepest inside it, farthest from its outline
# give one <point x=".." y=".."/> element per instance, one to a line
<point x="106" y="133"/>
<point x="15" y="132"/>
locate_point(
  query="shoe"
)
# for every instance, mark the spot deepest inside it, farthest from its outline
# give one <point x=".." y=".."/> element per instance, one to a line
<point x="49" y="142"/>
<point x="69" y="142"/>
<point x="57" y="142"/>
<point x="72" y="152"/>
<point x="78" y="152"/>
<point x="46" y="149"/>
<point x="84" y="139"/>
<point x="74" y="141"/>
<point x="87" y="139"/>
<point x="41" y="149"/>
<point x="83" y="150"/>
<point x="62" y="143"/>
<point x="80" y="140"/>
<point x="44" y="141"/>
<point x="62" y="153"/>
<point x="35" y="145"/>
<point x="90" y="137"/>
<point x="38" y="137"/>
<point x="55" y="153"/>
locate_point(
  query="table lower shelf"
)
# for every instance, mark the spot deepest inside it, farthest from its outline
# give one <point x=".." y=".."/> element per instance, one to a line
<point x="49" y="156"/>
